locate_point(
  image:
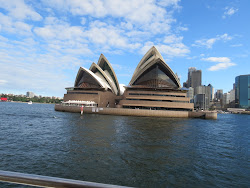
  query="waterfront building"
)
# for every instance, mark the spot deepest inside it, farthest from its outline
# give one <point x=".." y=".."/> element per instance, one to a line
<point x="30" y="94"/>
<point x="242" y="91"/>
<point x="98" y="84"/>
<point x="202" y="96"/>
<point x="226" y="98"/>
<point x="190" y="94"/>
<point x="232" y="96"/>
<point x="153" y="86"/>
<point x="218" y="96"/>
<point x="200" y="102"/>
<point x="194" y="77"/>
<point x="212" y="92"/>
<point x="193" y="81"/>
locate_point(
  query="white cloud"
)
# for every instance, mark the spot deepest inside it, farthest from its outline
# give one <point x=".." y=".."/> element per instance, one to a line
<point x="217" y="59"/>
<point x="150" y="15"/>
<point x="54" y="46"/>
<point x="58" y="29"/>
<point x="180" y="28"/>
<point x="19" y="10"/>
<point x="83" y="21"/>
<point x="109" y="36"/>
<point x="166" y="3"/>
<point x="229" y="11"/>
<point x="127" y="25"/>
<point x="139" y="21"/>
<point x="223" y="63"/>
<point x="174" y="49"/>
<point x="236" y="45"/>
<point x="45" y="32"/>
<point x="220" y="66"/>
<point x="37" y="72"/>
<point x="2" y="82"/>
<point x="75" y="39"/>
<point x="8" y="25"/>
<point x="172" y="39"/>
<point x="210" y="42"/>
<point x="224" y="37"/>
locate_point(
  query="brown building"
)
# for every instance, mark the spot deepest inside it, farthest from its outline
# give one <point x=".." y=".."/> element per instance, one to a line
<point x="153" y="86"/>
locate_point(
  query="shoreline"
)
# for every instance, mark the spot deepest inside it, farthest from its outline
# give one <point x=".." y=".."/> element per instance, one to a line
<point x="27" y="102"/>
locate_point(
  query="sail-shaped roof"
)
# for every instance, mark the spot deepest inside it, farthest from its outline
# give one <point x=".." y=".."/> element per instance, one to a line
<point x="104" y="64"/>
<point x="152" y="71"/>
<point x="98" y="71"/>
<point x="87" y="79"/>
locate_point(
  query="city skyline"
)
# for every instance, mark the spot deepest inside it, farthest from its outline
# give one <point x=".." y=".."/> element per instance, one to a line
<point x="43" y="43"/>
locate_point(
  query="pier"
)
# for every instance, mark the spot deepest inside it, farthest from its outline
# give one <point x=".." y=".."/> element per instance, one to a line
<point x="138" y="112"/>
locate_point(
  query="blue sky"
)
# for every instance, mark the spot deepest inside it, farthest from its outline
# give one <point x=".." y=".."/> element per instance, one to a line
<point x="43" y="43"/>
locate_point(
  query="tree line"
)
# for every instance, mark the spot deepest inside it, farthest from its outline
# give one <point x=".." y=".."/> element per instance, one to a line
<point x="34" y="99"/>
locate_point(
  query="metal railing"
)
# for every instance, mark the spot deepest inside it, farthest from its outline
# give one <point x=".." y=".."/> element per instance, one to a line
<point x="47" y="181"/>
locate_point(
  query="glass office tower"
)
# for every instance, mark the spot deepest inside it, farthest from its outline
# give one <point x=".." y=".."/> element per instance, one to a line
<point x="242" y="91"/>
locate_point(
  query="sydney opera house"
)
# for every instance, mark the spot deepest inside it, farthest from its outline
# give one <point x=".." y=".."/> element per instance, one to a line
<point x="153" y="86"/>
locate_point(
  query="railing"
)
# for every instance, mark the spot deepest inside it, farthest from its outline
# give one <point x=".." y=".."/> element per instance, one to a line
<point x="47" y="181"/>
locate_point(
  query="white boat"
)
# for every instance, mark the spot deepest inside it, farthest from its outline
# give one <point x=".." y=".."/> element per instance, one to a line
<point x="30" y="102"/>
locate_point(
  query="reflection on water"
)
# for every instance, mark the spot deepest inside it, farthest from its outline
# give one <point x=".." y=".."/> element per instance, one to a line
<point x="131" y="151"/>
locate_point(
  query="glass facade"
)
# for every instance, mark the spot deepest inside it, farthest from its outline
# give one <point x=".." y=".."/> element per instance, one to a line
<point x="156" y="77"/>
<point x="242" y="94"/>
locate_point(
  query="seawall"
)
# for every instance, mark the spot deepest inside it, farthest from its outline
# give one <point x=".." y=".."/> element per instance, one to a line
<point x="137" y="112"/>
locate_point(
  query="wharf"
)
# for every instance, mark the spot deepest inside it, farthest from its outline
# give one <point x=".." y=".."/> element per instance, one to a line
<point x="138" y="112"/>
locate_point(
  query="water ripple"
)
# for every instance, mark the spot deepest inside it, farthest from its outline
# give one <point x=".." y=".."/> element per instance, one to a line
<point x="131" y="151"/>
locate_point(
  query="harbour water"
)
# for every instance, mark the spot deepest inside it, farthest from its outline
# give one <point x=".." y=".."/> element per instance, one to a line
<point x="124" y="150"/>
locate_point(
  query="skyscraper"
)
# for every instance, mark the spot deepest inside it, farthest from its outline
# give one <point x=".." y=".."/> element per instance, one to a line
<point x="218" y="95"/>
<point x="212" y="92"/>
<point x="194" y="77"/>
<point x="242" y="91"/>
<point x="202" y="97"/>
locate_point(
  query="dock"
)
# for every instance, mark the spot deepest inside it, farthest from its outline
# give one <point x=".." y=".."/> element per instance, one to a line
<point x="138" y="112"/>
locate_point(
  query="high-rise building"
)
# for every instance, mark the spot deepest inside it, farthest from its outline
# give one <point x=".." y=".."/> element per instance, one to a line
<point x="190" y="94"/>
<point x="218" y="95"/>
<point x="232" y="95"/>
<point x="185" y="84"/>
<point x="226" y="98"/>
<point x="200" y="102"/>
<point x="190" y="71"/>
<point x="242" y="91"/>
<point x="202" y="96"/>
<point x="212" y="92"/>
<point x="194" y="78"/>
<point x="30" y="94"/>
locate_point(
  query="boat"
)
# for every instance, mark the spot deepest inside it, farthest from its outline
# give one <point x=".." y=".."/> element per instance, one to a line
<point x="30" y="102"/>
